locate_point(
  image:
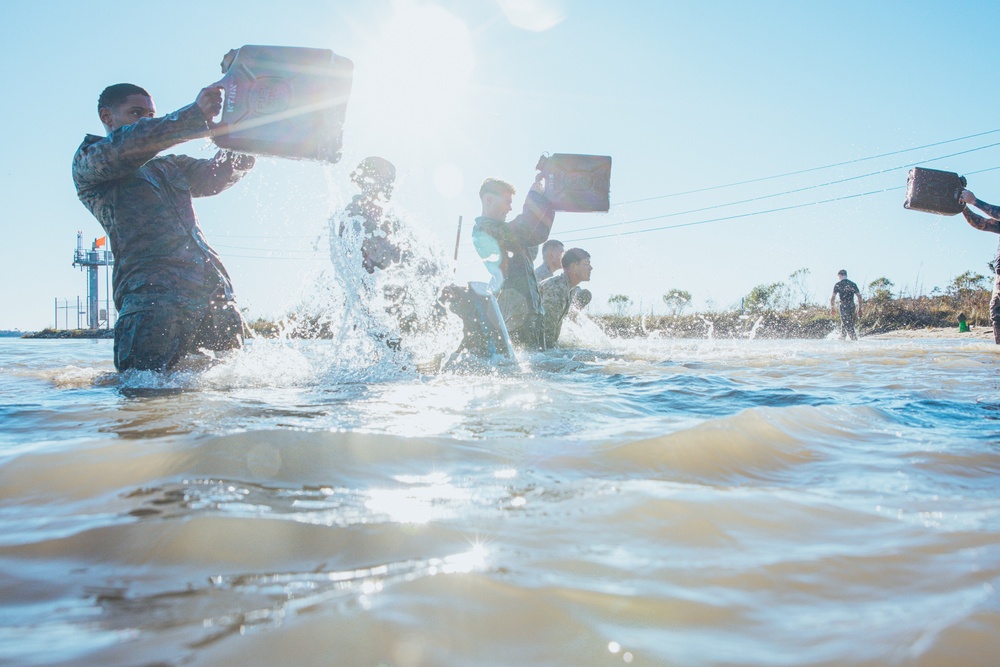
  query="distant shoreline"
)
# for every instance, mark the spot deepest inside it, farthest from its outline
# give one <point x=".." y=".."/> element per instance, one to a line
<point x="63" y="334"/>
<point x="951" y="333"/>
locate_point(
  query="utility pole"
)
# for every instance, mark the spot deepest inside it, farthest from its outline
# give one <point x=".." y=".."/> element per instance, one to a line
<point x="92" y="260"/>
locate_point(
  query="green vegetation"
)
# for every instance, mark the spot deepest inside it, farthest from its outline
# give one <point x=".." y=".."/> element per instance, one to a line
<point x="619" y="303"/>
<point x="782" y="310"/>
<point x="776" y="310"/>
<point x="677" y="300"/>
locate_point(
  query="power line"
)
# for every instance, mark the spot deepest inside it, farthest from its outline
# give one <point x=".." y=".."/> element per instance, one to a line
<point x="753" y="213"/>
<point x="780" y="194"/>
<point x="804" y="171"/>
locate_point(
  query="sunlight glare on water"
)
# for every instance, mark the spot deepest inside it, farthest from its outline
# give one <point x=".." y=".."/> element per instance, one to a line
<point x="647" y="501"/>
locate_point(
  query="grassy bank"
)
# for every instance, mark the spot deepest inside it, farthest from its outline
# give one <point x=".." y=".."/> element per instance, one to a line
<point x="879" y="316"/>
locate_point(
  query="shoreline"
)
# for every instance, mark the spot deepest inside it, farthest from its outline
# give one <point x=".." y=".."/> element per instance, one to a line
<point x="949" y="333"/>
<point x="938" y="333"/>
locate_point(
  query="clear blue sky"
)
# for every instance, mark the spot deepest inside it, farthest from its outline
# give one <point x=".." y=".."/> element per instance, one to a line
<point x="683" y="96"/>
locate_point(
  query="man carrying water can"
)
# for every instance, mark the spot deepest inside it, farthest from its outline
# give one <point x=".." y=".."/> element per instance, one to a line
<point x="988" y="224"/>
<point x="171" y="290"/>
<point x="507" y="249"/>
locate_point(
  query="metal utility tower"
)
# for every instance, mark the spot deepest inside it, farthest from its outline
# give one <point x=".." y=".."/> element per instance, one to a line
<point x="92" y="260"/>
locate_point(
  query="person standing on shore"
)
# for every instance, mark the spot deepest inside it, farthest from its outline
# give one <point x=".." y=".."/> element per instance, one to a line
<point x="988" y="224"/>
<point x="173" y="295"/>
<point x="846" y="290"/>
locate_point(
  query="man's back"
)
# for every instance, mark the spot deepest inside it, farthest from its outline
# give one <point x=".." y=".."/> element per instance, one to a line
<point x="846" y="289"/>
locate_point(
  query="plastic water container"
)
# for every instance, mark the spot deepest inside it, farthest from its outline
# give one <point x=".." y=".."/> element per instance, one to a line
<point x="285" y="101"/>
<point x="933" y="191"/>
<point x="578" y="183"/>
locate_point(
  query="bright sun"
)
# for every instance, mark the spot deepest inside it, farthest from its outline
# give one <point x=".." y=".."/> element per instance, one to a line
<point x="417" y="70"/>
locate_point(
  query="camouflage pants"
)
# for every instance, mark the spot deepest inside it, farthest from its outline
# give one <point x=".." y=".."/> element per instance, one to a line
<point x="995" y="309"/>
<point x="847" y="318"/>
<point x="157" y="338"/>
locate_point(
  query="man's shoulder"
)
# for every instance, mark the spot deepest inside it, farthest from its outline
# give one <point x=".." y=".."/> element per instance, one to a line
<point x="556" y="282"/>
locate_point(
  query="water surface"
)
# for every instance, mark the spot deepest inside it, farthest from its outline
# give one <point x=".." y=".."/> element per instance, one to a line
<point x="645" y="502"/>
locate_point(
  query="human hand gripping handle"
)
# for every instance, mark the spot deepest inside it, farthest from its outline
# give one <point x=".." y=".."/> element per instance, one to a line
<point x="538" y="186"/>
<point x="209" y="101"/>
<point x="966" y="197"/>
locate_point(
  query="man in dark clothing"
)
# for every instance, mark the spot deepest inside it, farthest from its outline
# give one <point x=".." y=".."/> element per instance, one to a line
<point x="376" y="177"/>
<point x="846" y="290"/>
<point x="172" y="293"/>
<point x="507" y="248"/>
<point x="990" y="224"/>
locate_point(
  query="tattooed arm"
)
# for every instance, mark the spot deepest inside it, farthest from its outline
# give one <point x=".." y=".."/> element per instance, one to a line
<point x="988" y="224"/>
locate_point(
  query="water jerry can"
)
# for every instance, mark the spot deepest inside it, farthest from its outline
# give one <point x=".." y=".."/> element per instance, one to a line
<point x="933" y="191"/>
<point x="284" y="101"/>
<point x="578" y="183"/>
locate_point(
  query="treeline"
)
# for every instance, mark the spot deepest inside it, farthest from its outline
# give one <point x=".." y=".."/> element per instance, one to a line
<point x="777" y="310"/>
<point x="787" y="310"/>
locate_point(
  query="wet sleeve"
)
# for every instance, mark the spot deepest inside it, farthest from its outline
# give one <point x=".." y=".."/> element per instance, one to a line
<point x="210" y="177"/>
<point x="533" y="226"/>
<point x="128" y="148"/>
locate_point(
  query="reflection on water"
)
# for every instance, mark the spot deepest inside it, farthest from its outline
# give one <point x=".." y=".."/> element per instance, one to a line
<point x="643" y="502"/>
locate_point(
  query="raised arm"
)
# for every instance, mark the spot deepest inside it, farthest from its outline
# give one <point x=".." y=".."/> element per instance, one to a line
<point x="990" y="224"/>
<point x="533" y="225"/>
<point x="128" y="148"/>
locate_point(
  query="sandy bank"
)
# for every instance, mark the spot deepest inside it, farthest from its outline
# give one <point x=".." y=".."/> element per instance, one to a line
<point x="977" y="333"/>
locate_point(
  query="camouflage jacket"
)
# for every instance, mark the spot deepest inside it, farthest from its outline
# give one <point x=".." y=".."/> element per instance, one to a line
<point x="507" y="249"/>
<point x="144" y="203"/>
<point x="990" y="224"/>
<point x="555" y="299"/>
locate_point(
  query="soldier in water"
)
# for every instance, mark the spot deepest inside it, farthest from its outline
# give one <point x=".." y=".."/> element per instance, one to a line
<point x="376" y="177"/>
<point x="171" y="290"/>
<point x="507" y="248"/>
<point x="991" y="223"/>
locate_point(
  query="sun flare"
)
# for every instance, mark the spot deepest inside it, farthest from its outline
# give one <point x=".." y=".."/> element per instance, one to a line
<point x="417" y="70"/>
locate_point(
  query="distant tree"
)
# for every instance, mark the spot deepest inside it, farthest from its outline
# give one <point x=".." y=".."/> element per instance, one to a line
<point x="798" y="281"/>
<point x="966" y="284"/>
<point x="880" y="290"/>
<point x="766" y="297"/>
<point x="970" y="292"/>
<point x="677" y="300"/>
<point x="620" y="303"/>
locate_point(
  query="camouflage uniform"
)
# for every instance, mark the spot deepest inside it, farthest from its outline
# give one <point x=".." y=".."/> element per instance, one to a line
<point x="507" y="248"/>
<point x="172" y="293"/>
<point x="990" y="224"/>
<point x="543" y="272"/>
<point x="555" y="300"/>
